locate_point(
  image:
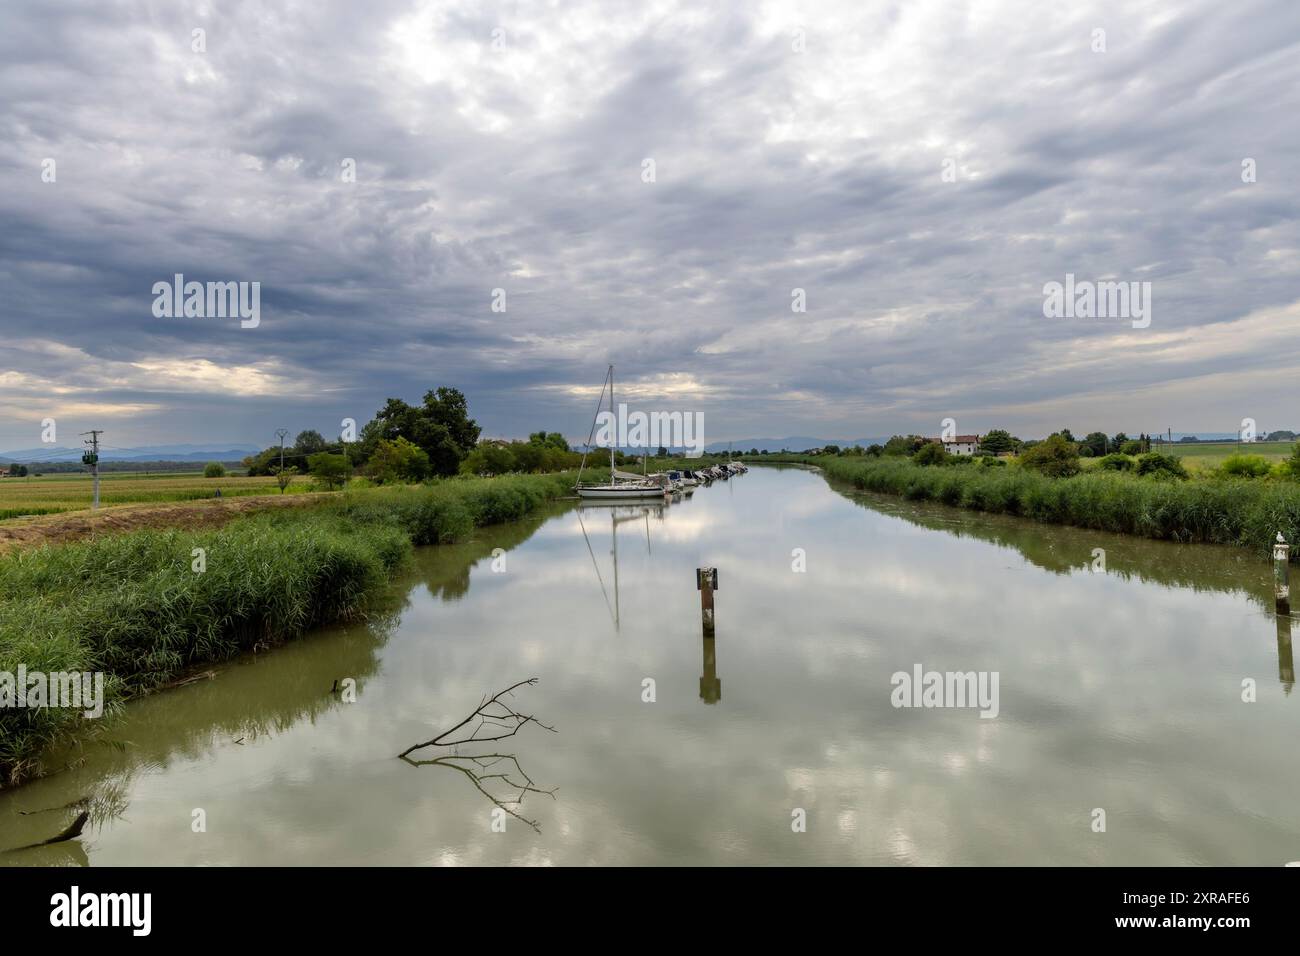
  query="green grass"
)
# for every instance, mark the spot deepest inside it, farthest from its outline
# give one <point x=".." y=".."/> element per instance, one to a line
<point x="132" y="606"/>
<point x="1204" y="457"/>
<point x="53" y="494"/>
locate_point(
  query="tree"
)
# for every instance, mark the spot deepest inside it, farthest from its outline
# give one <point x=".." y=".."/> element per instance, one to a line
<point x="447" y="407"/>
<point x="1131" y="447"/>
<point x="494" y="460"/>
<point x="309" y="443"/>
<point x="1056" y="457"/>
<point x="441" y="428"/>
<point x="831" y="450"/>
<point x="900" y="445"/>
<point x="549" y="439"/>
<point x="398" y="460"/>
<point x="332" y="471"/>
<point x="214" y="469"/>
<point x="998" y="441"/>
<point x="932" y="453"/>
<point x="261" y="463"/>
<point x="1065" y="433"/>
<point x="284" y="475"/>
<point x="1096" y="443"/>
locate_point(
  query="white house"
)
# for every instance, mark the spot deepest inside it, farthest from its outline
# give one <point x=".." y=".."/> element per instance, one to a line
<point x="962" y="444"/>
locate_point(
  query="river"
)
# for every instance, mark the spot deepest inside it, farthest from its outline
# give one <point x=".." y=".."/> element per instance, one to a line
<point x="1120" y="689"/>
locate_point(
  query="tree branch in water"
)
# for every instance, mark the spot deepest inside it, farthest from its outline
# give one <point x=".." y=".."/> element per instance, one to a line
<point x="493" y="719"/>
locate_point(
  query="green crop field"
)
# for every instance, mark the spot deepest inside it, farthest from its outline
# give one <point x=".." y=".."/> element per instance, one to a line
<point x="51" y="494"/>
<point x="1201" y="456"/>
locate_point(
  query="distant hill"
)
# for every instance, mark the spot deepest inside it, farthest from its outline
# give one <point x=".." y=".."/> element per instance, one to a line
<point x="793" y="443"/>
<point x="205" y="453"/>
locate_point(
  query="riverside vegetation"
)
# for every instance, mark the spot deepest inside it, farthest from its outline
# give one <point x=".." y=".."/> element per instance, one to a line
<point x="1150" y="496"/>
<point x="137" y="607"/>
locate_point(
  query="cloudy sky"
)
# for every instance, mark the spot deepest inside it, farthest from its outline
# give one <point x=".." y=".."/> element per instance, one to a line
<point x="504" y="146"/>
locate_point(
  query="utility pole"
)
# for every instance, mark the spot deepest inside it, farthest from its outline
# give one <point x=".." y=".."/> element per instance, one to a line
<point x="91" y="458"/>
<point x="280" y="477"/>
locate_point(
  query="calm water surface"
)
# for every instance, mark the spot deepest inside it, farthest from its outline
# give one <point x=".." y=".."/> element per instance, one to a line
<point x="1118" y="690"/>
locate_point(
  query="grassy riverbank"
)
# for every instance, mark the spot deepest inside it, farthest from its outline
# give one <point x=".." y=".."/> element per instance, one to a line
<point x="1246" y="513"/>
<point x="137" y="607"/>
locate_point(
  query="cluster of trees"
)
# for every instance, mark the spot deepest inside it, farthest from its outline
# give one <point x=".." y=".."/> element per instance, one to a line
<point x="1057" y="455"/>
<point x="544" y="451"/>
<point x="410" y="443"/>
<point x="999" y="441"/>
<point x="1097" y="444"/>
<point x="403" y="442"/>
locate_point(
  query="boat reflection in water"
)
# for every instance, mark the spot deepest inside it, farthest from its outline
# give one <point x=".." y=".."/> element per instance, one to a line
<point x="620" y="513"/>
<point x="624" y="514"/>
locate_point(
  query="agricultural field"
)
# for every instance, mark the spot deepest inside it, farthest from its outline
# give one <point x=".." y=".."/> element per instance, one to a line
<point x="52" y="494"/>
<point x="1203" y="457"/>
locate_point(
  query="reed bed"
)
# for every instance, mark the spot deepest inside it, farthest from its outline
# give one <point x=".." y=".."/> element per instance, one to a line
<point x="1246" y="513"/>
<point x="134" y="607"/>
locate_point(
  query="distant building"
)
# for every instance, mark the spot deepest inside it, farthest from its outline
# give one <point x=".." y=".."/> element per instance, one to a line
<point x="962" y="444"/>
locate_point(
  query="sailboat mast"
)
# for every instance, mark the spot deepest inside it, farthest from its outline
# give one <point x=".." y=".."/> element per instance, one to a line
<point x="614" y="439"/>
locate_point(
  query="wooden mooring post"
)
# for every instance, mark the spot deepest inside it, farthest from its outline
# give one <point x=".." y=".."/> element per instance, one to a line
<point x="1281" y="575"/>
<point x="706" y="581"/>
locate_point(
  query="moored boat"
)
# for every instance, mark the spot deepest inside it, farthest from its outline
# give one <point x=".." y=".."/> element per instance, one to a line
<point x="621" y="485"/>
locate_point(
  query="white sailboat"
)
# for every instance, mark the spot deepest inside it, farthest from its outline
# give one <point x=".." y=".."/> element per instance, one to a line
<point x="623" y="486"/>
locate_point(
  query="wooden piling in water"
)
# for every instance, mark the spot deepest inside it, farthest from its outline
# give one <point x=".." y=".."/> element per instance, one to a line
<point x="706" y="580"/>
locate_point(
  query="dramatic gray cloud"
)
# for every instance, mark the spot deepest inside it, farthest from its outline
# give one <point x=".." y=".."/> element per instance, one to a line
<point x="795" y="146"/>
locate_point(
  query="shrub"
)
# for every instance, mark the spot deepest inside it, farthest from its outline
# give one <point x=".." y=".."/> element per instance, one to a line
<point x="214" y="469"/>
<point x="1054" y="457"/>
<point x="1245" y="466"/>
<point x="1133" y="447"/>
<point x="932" y="453"/>
<point x="1156" y="464"/>
<point x="1115" y="462"/>
<point x="330" y="470"/>
<point x="397" y="461"/>
<point x="1293" y="463"/>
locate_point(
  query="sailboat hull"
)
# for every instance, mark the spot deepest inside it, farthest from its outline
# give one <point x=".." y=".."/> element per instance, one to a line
<point x="619" y="493"/>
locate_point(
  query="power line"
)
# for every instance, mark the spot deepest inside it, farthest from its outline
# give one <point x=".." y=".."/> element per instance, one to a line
<point x="91" y="458"/>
